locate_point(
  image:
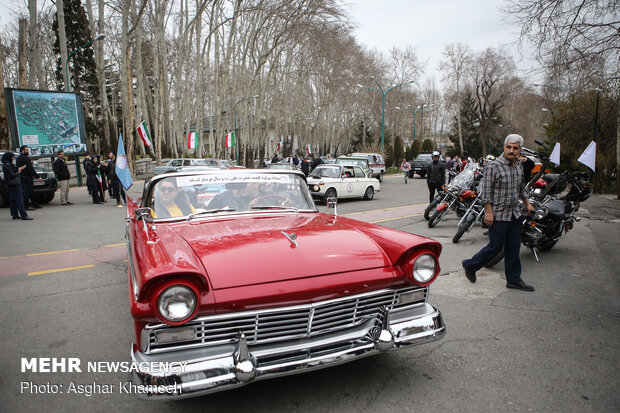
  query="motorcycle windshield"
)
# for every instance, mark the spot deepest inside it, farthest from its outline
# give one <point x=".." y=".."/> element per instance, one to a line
<point x="465" y="178"/>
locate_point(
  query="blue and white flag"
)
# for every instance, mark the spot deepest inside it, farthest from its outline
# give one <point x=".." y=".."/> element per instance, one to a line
<point x="122" y="171"/>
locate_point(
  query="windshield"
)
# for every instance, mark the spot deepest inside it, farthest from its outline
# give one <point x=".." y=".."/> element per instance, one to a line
<point x="201" y="162"/>
<point x="362" y="163"/>
<point x="426" y="157"/>
<point x="326" y="172"/>
<point x="225" y="163"/>
<point x="187" y="195"/>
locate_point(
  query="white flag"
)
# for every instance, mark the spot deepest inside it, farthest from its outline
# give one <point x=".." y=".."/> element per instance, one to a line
<point x="588" y="157"/>
<point x="555" y="155"/>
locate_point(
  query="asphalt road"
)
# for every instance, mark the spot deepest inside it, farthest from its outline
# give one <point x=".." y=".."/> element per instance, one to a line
<point x="63" y="293"/>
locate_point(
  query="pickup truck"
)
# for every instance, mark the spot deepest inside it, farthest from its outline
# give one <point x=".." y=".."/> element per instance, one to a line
<point x="419" y="164"/>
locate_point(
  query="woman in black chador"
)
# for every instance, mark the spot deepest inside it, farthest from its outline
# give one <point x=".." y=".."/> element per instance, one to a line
<point x="93" y="183"/>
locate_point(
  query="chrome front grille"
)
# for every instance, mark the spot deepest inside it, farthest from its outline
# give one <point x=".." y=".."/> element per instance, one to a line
<point x="284" y="323"/>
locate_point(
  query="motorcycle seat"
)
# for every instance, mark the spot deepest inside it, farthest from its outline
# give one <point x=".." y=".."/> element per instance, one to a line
<point x="558" y="208"/>
<point x="550" y="177"/>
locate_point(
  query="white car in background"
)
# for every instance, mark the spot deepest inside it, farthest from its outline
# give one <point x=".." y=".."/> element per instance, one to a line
<point x="341" y="181"/>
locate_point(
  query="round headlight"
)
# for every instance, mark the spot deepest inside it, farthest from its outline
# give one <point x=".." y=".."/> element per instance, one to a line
<point x="424" y="268"/>
<point x="540" y="213"/>
<point x="176" y="303"/>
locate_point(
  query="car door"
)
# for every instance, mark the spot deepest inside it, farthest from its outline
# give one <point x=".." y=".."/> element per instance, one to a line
<point x="361" y="181"/>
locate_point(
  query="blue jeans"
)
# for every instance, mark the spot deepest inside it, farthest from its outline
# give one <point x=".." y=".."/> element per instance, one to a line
<point x="504" y="235"/>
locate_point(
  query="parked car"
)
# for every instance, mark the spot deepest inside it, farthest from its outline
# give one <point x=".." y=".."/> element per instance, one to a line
<point x="173" y="164"/>
<point x="376" y="162"/>
<point x="205" y="288"/>
<point x="420" y="163"/>
<point x="284" y="165"/>
<point x="341" y="181"/>
<point x="360" y="161"/>
<point x="44" y="191"/>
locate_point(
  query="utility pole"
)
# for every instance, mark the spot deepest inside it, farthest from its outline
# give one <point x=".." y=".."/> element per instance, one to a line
<point x="62" y="38"/>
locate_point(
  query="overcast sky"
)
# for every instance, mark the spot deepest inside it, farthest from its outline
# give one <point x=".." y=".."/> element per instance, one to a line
<point x="428" y="25"/>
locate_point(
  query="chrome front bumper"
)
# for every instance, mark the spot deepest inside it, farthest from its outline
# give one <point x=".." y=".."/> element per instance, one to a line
<point x="238" y="364"/>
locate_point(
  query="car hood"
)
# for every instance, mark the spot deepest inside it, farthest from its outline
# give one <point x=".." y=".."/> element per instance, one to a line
<point x="240" y="251"/>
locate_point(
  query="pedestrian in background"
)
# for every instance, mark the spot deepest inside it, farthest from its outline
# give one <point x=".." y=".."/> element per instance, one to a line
<point x="61" y="169"/>
<point x="116" y="188"/>
<point x="305" y="165"/>
<point x="101" y="176"/>
<point x="502" y="187"/>
<point x="92" y="183"/>
<point x="405" y="167"/>
<point x="27" y="175"/>
<point x="435" y="176"/>
<point x="14" y="186"/>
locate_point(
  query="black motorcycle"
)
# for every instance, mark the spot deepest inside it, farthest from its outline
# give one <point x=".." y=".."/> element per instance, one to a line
<point x="554" y="213"/>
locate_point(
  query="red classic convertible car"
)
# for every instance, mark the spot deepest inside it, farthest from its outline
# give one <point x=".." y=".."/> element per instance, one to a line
<point x="235" y="276"/>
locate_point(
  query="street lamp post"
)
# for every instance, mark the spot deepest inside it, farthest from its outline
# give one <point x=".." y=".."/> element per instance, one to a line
<point x="415" y="112"/>
<point x="67" y="82"/>
<point x="68" y="89"/>
<point x="237" y="144"/>
<point x="383" y="93"/>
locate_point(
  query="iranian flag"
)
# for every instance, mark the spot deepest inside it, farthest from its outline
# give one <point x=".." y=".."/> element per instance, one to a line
<point x="230" y="140"/>
<point x="192" y="140"/>
<point x="309" y="148"/>
<point x="279" y="146"/>
<point x="144" y="134"/>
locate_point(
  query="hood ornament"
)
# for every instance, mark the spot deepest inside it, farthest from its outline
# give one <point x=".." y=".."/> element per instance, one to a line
<point x="291" y="237"/>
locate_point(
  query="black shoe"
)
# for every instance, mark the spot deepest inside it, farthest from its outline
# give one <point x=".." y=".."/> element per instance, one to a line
<point x="485" y="233"/>
<point x="27" y="218"/>
<point x="30" y="209"/>
<point x="15" y="217"/>
<point x="471" y="275"/>
<point x="69" y="203"/>
<point x="37" y="206"/>
<point x="520" y="285"/>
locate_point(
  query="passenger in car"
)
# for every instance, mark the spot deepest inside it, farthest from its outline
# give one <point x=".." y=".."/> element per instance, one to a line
<point x="170" y="201"/>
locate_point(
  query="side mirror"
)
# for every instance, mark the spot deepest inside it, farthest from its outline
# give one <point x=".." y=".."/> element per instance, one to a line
<point x="143" y="213"/>
<point x="331" y="203"/>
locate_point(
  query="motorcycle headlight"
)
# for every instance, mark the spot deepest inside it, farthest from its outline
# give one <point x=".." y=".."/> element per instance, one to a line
<point x="424" y="268"/>
<point x="176" y="303"/>
<point x="540" y="213"/>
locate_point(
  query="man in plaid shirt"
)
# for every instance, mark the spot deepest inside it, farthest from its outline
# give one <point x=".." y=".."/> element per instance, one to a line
<point x="502" y="187"/>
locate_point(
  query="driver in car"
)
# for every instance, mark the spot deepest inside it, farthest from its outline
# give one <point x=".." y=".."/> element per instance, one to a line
<point x="238" y="196"/>
<point x="170" y="201"/>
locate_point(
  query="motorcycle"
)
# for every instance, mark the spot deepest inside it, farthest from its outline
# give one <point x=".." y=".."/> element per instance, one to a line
<point x="554" y="213"/>
<point x="475" y="213"/>
<point x="451" y="197"/>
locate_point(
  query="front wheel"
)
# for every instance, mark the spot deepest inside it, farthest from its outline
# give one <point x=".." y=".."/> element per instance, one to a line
<point x="436" y="217"/>
<point x="430" y="209"/>
<point x="369" y="194"/>
<point x="462" y="230"/>
<point x="495" y="260"/>
<point x="330" y="193"/>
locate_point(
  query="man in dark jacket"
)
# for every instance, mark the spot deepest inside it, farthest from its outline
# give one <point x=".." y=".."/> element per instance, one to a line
<point x="61" y="169"/>
<point x="114" y="184"/>
<point x="435" y="176"/>
<point x="27" y="174"/>
<point x="305" y="165"/>
<point x="316" y="161"/>
<point x="14" y="186"/>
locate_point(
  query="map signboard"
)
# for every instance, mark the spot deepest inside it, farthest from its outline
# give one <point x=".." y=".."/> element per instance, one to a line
<point x="46" y="121"/>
